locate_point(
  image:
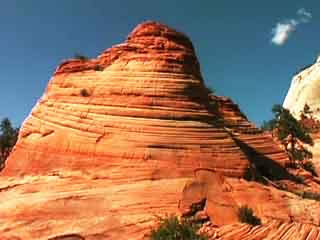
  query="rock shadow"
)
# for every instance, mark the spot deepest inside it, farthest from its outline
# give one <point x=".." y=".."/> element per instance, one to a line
<point x="259" y="162"/>
<point x="68" y="237"/>
<point x="265" y="166"/>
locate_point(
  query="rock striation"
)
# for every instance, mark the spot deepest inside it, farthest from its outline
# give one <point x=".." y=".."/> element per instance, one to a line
<point x="258" y="146"/>
<point x="271" y="230"/>
<point x="140" y="105"/>
<point x="118" y="140"/>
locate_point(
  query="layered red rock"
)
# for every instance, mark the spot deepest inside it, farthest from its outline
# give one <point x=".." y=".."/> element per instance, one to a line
<point x="117" y="140"/>
<point x="273" y="229"/>
<point x="255" y="143"/>
<point x="147" y="109"/>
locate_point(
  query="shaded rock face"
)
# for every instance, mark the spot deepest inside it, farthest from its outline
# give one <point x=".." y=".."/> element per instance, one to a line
<point x="118" y="140"/>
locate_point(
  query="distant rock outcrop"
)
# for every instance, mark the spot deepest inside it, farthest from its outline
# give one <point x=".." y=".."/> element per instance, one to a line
<point x="117" y="140"/>
<point x="305" y="89"/>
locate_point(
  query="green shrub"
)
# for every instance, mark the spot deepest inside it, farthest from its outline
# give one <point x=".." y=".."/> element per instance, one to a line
<point x="81" y="57"/>
<point x="290" y="132"/>
<point x="98" y="68"/>
<point x="302" y="69"/>
<point x="268" y="125"/>
<point x="84" y="93"/>
<point x="299" y="179"/>
<point x="309" y="166"/>
<point x="308" y="195"/>
<point x="302" y="194"/>
<point x="171" y="229"/>
<point x="210" y="90"/>
<point x="8" y="138"/>
<point x="246" y="215"/>
<point x="311" y="195"/>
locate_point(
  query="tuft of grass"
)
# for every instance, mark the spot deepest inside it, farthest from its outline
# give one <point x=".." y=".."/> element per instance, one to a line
<point x="246" y="215"/>
<point x="98" y="68"/>
<point x="210" y="90"/>
<point x="302" y="194"/>
<point x="299" y="179"/>
<point x="308" y="195"/>
<point x="81" y="57"/>
<point x="84" y="93"/>
<point x="302" y="69"/>
<point x="171" y="229"/>
<point x="311" y="195"/>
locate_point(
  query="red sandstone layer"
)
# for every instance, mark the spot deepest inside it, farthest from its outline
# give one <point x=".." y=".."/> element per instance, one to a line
<point x="117" y="140"/>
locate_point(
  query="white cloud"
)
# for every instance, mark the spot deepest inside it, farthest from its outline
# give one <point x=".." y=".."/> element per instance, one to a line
<point x="305" y="16"/>
<point x="284" y="30"/>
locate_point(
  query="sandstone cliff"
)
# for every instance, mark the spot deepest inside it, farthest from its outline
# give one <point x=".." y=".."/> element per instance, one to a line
<point x="304" y="89"/>
<point x="117" y="140"/>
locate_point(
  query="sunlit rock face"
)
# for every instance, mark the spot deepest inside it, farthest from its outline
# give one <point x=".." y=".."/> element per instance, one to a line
<point x="305" y="89"/>
<point x="273" y="230"/>
<point x="140" y="105"/>
<point x="133" y="134"/>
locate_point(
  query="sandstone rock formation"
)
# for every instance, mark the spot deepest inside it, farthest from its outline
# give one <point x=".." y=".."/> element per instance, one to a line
<point x="147" y="109"/>
<point x="272" y="230"/>
<point x="117" y="140"/>
<point x="304" y="89"/>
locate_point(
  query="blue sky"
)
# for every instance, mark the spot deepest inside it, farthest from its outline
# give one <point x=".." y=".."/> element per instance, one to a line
<point x="232" y="40"/>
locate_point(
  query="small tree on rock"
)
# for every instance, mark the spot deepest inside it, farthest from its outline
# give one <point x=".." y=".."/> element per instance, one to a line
<point x="268" y="125"/>
<point x="292" y="134"/>
<point x="8" y="138"/>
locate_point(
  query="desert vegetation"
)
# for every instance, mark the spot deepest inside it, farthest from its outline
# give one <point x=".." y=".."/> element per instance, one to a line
<point x="81" y="57"/>
<point x="8" y="138"/>
<point x="301" y="193"/>
<point x="246" y="215"/>
<point x="84" y="93"/>
<point x="210" y="90"/>
<point x="294" y="136"/>
<point x="303" y="68"/>
<point x="98" y="68"/>
<point x="170" y="228"/>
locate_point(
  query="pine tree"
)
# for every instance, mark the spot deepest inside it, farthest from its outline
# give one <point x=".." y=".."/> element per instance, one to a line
<point x="8" y="138"/>
<point x="292" y="134"/>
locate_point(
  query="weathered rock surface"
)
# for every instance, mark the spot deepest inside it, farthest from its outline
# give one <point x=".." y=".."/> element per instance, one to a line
<point x="305" y="89"/>
<point x="117" y="140"/>
<point x="272" y="230"/>
<point x="147" y="110"/>
<point x="258" y="146"/>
